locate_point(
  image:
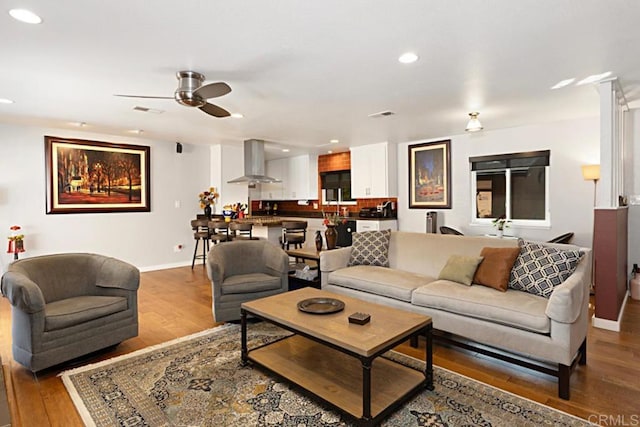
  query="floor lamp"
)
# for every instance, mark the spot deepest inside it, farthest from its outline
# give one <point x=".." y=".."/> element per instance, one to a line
<point x="592" y="173"/>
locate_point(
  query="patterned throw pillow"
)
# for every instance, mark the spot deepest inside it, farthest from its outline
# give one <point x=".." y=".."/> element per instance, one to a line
<point x="370" y="248"/>
<point x="538" y="268"/>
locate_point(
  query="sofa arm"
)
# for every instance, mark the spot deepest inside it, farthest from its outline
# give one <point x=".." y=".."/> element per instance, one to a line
<point x="334" y="259"/>
<point x="114" y="273"/>
<point x="565" y="303"/>
<point x="22" y="292"/>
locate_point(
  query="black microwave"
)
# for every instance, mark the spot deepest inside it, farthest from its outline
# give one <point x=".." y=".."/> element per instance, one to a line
<point x="336" y="186"/>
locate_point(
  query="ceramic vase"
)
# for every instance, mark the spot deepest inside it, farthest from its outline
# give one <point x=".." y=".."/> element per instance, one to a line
<point x="207" y="211"/>
<point x="318" y="241"/>
<point x="331" y="236"/>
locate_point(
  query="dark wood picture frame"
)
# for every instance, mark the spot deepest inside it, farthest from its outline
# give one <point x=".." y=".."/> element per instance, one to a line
<point x="430" y="175"/>
<point x="96" y="177"/>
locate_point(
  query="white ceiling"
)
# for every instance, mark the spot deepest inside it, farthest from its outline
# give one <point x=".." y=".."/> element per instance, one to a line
<point x="305" y="72"/>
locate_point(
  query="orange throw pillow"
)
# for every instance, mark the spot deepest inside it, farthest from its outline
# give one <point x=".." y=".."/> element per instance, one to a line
<point x="495" y="268"/>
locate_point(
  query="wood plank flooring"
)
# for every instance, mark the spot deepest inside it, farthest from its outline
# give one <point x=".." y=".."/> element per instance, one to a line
<point x="177" y="302"/>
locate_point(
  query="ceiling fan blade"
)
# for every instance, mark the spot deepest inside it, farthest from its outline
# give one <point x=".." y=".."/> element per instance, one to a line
<point x="212" y="90"/>
<point x="143" y="96"/>
<point x="214" y="110"/>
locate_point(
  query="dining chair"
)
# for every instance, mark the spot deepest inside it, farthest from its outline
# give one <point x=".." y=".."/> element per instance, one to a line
<point x="200" y="229"/>
<point x="219" y="231"/>
<point x="241" y="231"/>
<point x="448" y="230"/>
<point x="563" y="238"/>
<point x="293" y="233"/>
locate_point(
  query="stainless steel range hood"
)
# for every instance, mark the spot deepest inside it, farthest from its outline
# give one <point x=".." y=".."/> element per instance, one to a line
<point x="253" y="164"/>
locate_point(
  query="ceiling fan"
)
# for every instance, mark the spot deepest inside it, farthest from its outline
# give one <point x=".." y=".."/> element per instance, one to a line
<point x="192" y="93"/>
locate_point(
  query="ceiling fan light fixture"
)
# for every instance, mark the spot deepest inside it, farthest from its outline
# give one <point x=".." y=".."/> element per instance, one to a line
<point x="26" y="16"/>
<point x="473" y="125"/>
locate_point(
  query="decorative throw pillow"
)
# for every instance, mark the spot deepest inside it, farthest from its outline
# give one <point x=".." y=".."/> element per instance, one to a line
<point x="495" y="269"/>
<point x="460" y="268"/>
<point x="370" y="248"/>
<point x="540" y="268"/>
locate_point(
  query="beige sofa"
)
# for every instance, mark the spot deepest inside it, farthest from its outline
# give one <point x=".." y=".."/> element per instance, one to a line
<point x="548" y="335"/>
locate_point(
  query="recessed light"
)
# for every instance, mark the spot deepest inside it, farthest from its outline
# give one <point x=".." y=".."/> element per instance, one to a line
<point x="330" y="151"/>
<point x="334" y="141"/>
<point x="408" y="58"/>
<point x="563" y="83"/>
<point x="26" y="16"/>
<point x="594" y="78"/>
<point x="237" y="115"/>
<point x="5" y="101"/>
<point x="137" y="131"/>
<point x="285" y="150"/>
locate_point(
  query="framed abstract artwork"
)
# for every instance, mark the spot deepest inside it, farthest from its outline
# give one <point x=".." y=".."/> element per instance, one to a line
<point x="430" y="175"/>
<point x="91" y="176"/>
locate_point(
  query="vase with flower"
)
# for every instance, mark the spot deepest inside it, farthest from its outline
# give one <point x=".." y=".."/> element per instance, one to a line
<point x="208" y="200"/>
<point x="331" y="221"/>
<point x="501" y="223"/>
<point x="16" y="241"/>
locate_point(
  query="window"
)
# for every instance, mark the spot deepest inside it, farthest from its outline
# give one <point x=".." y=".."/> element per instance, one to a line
<point x="336" y="187"/>
<point x="514" y="186"/>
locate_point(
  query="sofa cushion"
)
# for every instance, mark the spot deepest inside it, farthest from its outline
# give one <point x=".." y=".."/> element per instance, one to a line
<point x="248" y="283"/>
<point x="370" y="248"/>
<point x="495" y="269"/>
<point x="73" y="311"/>
<point x="460" y="269"/>
<point x="512" y="308"/>
<point x="377" y="280"/>
<point x="539" y="268"/>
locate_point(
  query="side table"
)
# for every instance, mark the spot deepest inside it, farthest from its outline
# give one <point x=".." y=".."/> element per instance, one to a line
<point x="305" y="254"/>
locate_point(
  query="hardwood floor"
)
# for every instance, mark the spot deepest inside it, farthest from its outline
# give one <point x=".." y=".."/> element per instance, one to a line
<point x="177" y="302"/>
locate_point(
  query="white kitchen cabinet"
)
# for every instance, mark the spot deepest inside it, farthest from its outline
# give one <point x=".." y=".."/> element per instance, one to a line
<point x="299" y="177"/>
<point x="302" y="178"/>
<point x="376" y="225"/>
<point x="373" y="171"/>
<point x="277" y="168"/>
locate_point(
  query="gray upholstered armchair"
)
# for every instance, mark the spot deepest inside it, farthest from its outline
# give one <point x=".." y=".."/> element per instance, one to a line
<point x="243" y="271"/>
<point x="68" y="305"/>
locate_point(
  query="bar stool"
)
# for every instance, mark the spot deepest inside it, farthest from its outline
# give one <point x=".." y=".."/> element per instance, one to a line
<point x="200" y="229"/>
<point x="219" y="232"/>
<point x="293" y="233"/>
<point x="241" y="230"/>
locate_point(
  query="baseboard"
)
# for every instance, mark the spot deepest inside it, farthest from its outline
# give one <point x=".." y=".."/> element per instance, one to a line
<point x="166" y="266"/>
<point x="611" y="325"/>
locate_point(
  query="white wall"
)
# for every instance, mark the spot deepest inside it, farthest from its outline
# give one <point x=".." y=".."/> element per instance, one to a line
<point x="633" y="177"/>
<point x="227" y="163"/>
<point x="572" y="144"/>
<point x="145" y="239"/>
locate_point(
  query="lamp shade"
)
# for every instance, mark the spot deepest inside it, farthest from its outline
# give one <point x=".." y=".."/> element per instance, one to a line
<point x="474" y="124"/>
<point x="591" y="172"/>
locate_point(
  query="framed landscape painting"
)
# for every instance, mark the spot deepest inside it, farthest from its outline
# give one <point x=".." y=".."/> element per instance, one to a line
<point x="91" y="176"/>
<point x="430" y="175"/>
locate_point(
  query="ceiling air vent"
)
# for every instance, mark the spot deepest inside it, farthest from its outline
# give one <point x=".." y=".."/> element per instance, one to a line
<point x="382" y="114"/>
<point x="148" y="110"/>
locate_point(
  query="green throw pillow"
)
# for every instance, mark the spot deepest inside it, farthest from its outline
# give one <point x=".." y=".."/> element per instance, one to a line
<point x="460" y="268"/>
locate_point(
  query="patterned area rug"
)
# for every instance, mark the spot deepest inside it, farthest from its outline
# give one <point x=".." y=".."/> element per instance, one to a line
<point x="198" y="381"/>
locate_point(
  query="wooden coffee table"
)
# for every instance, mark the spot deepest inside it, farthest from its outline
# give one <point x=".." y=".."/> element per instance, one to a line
<point x="334" y="359"/>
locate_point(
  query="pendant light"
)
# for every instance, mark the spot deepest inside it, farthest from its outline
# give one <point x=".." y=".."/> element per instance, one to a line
<point x="474" y="124"/>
